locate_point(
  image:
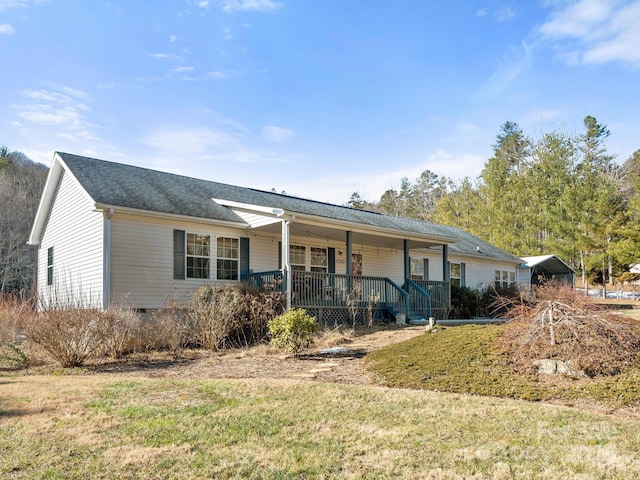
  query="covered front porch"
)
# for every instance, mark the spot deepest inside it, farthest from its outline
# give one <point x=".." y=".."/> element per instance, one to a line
<point x="341" y="263"/>
<point x="339" y="298"/>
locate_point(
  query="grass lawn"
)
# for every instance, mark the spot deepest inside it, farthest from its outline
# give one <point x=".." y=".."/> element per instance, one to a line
<point x="105" y="427"/>
<point x="465" y="360"/>
<point x="454" y="412"/>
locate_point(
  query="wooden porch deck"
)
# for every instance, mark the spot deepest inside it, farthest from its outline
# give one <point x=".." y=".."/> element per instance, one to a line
<point x="337" y="298"/>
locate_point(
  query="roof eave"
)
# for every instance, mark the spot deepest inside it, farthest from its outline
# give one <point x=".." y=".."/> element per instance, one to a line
<point x="176" y="216"/>
<point x="316" y="219"/>
<point x="50" y="186"/>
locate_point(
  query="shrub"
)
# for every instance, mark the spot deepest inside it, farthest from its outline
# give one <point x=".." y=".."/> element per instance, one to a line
<point x="230" y="315"/>
<point x="293" y="330"/>
<point x="11" y="311"/>
<point x="465" y="302"/>
<point x="70" y="336"/>
<point x="469" y="302"/>
<point x="214" y="314"/>
<point x="165" y="329"/>
<point x="120" y="329"/>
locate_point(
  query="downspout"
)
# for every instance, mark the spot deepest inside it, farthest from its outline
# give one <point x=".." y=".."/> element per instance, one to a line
<point x="106" y="259"/>
<point x="285" y="259"/>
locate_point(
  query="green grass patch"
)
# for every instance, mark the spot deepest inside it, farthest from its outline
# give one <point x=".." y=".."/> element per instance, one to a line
<point x="291" y="430"/>
<point x="466" y="360"/>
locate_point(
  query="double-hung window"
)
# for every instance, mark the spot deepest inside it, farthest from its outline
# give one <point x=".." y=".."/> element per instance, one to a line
<point x="227" y="258"/>
<point x="312" y="259"/>
<point x="201" y="256"/>
<point x="505" y="279"/>
<point x="198" y="255"/>
<point x="298" y="257"/>
<point x="50" y="266"/>
<point x="419" y="268"/>
<point x="455" y="272"/>
<point x="318" y="259"/>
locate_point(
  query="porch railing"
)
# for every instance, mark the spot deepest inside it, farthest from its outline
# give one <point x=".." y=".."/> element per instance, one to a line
<point x="320" y="289"/>
<point x="262" y="279"/>
<point x="440" y="294"/>
<point x="419" y="299"/>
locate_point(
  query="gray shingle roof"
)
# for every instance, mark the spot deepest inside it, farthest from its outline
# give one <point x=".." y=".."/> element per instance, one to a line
<point x="116" y="184"/>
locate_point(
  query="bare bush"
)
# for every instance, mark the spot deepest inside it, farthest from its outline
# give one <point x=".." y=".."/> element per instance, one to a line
<point x="261" y="305"/>
<point x="214" y="312"/>
<point x="166" y="329"/>
<point x="120" y="329"/>
<point x="231" y="315"/>
<point x="69" y="336"/>
<point x="12" y="310"/>
<point x="554" y="322"/>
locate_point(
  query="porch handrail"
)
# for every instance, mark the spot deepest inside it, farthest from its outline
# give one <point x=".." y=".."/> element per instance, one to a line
<point x="440" y="293"/>
<point x="404" y="294"/>
<point x="322" y="289"/>
<point x="422" y="295"/>
<point x="260" y="278"/>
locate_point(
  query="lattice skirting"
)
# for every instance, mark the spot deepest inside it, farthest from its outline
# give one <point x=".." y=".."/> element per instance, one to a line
<point x="333" y="317"/>
<point x="336" y="316"/>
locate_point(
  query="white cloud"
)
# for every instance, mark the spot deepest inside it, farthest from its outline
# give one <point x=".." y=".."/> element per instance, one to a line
<point x="203" y="4"/>
<point x="508" y="70"/>
<point x="338" y="187"/>
<point x="223" y="143"/>
<point x="63" y="108"/>
<point x="596" y="31"/>
<point x="216" y="75"/>
<point x="481" y="13"/>
<point x="6" y="29"/>
<point x="504" y="14"/>
<point x="276" y="134"/>
<point x="541" y="116"/>
<point x="10" y="4"/>
<point x="266" y="6"/>
<point x="182" y="69"/>
<point x="173" y="38"/>
<point x="158" y="55"/>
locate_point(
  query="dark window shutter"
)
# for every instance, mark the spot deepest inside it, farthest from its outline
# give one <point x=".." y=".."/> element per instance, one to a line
<point x="463" y="280"/>
<point x="179" y="264"/>
<point x="331" y="260"/>
<point x="280" y="255"/>
<point x="425" y="274"/>
<point x="244" y="256"/>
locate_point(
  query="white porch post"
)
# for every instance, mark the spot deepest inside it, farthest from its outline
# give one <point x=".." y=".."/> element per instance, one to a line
<point x="349" y="249"/>
<point x="286" y="266"/>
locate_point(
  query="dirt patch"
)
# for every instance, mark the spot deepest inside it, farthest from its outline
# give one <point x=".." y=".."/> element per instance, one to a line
<point x="335" y="357"/>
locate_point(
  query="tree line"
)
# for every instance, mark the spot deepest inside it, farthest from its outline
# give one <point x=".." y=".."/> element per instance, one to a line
<point x="562" y="194"/>
<point x="21" y="185"/>
<point x="559" y="194"/>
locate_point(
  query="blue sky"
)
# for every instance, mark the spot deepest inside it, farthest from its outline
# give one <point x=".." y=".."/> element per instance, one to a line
<point x="319" y="98"/>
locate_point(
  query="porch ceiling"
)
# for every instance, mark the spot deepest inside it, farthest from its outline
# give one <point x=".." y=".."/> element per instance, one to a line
<point x="324" y="234"/>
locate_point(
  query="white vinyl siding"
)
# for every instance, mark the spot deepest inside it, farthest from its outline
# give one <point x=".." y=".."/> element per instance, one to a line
<point x="142" y="259"/>
<point x="264" y="253"/>
<point x="481" y="274"/>
<point x="75" y="231"/>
